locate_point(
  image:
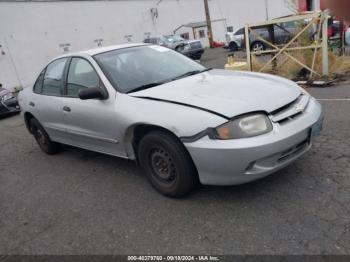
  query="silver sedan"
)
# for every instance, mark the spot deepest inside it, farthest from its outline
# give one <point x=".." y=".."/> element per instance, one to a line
<point x="181" y="122"/>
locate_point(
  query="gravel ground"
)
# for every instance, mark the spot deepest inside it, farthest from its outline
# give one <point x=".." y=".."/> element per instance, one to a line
<point x="80" y="202"/>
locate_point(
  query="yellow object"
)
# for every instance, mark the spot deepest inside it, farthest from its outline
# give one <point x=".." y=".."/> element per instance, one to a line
<point x="238" y="66"/>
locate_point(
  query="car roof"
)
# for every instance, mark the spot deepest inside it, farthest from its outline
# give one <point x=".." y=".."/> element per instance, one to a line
<point x="95" y="51"/>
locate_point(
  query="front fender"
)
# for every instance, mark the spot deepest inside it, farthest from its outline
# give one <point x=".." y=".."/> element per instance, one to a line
<point x="180" y="120"/>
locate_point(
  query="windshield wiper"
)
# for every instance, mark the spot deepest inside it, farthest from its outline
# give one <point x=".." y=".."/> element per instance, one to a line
<point x="143" y="87"/>
<point x="191" y="73"/>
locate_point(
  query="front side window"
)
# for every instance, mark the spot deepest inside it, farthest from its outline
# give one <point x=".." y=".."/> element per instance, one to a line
<point x="53" y="78"/>
<point x="131" y="68"/>
<point x="81" y="75"/>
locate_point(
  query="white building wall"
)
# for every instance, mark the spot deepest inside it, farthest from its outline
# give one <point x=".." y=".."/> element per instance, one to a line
<point x="31" y="32"/>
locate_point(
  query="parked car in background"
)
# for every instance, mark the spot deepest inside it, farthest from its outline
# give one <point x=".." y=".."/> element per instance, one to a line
<point x="192" y="48"/>
<point x="8" y="102"/>
<point x="170" y="41"/>
<point x="182" y="122"/>
<point x="334" y="28"/>
<point x="235" y="40"/>
<point x="283" y="33"/>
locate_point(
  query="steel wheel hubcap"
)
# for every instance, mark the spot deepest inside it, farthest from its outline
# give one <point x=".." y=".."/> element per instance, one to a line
<point x="258" y="47"/>
<point x="162" y="165"/>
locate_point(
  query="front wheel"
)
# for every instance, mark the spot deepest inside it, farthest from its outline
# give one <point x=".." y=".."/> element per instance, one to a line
<point x="167" y="164"/>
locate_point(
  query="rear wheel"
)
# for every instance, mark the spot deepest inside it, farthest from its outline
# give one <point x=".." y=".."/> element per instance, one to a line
<point x="167" y="164"/>
<point x="42" y="138"/>
<point x="258" y="46"/>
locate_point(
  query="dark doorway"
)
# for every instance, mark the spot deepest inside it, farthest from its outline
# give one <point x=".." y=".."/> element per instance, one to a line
<point x="309" y="5"/>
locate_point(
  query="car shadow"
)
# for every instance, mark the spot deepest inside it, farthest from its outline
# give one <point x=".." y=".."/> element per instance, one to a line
<point x="251" y="190"/>
<point x="129" y="170"/>
<point x="8" y="115"/>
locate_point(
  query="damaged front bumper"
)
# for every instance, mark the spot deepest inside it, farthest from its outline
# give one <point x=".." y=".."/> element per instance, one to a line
<point x="240" y="161"/>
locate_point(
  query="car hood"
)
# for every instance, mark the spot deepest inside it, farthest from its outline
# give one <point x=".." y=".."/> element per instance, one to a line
<point x="226" y="92"/>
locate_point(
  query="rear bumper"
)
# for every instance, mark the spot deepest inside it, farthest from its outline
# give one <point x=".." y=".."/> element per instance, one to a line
<point x="241" y="161"/>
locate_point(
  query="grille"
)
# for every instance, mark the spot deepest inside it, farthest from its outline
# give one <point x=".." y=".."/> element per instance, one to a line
<point x="291" y="111"/>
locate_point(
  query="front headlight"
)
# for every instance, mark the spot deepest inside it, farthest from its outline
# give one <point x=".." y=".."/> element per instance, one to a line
<point x="244" y="127"/>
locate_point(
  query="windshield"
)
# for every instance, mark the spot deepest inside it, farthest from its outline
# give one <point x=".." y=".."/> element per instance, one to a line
<point x="130" y="69"/>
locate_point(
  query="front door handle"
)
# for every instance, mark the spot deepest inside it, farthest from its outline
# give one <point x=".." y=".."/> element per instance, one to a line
<point x="66" y="109"/>
<point x="31" y="104"/>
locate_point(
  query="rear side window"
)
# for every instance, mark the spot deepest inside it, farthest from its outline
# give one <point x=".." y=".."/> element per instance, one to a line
<point x="288" y="24"/>
<point x="39" y="83"/>
<point x="81" y="75"/>
<point x="53" y="78"/>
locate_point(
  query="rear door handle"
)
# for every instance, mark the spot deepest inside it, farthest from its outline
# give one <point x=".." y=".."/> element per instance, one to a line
<point x="66" y="109"/>
<point x="31" y="104"/>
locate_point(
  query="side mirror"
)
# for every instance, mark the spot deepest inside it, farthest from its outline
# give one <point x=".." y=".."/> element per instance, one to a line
<point x="91" y="93"/>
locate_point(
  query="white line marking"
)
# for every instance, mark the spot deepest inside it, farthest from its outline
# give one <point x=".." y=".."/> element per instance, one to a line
<point x="333" y="99"/>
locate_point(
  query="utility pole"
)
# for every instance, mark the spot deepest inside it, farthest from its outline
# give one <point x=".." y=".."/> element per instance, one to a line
<point x="267" y="9"/>
<point x="210" y="30"/>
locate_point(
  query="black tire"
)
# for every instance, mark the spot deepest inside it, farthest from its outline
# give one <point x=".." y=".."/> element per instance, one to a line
<point x="167" y="164"/>
<point x="42" y="138"/>
<point x="258" y="46"/>
<point x="233" y="47"/>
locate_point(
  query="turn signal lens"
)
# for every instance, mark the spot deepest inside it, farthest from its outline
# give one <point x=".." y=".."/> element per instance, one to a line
<point x="223" y="132"/>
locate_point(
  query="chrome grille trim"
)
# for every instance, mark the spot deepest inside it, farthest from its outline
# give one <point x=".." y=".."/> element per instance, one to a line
<point x="291" y="111"/>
